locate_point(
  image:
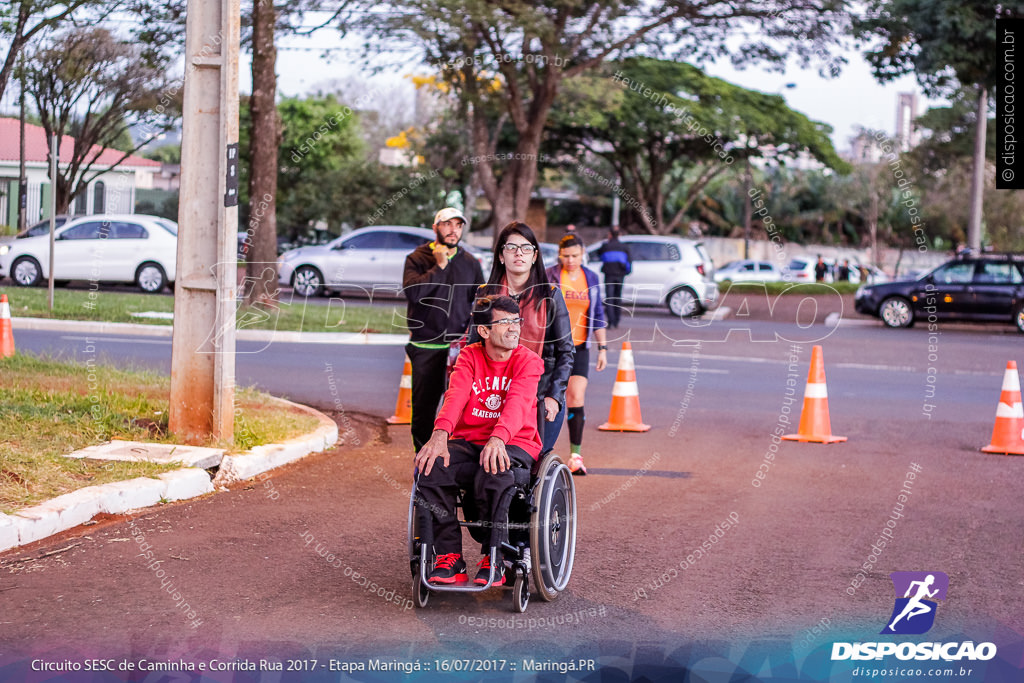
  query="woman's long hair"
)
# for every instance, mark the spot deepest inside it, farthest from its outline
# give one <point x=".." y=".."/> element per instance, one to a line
<point x="537" y="283"/>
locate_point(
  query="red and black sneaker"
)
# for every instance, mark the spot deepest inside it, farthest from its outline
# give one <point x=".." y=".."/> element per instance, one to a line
<point x="449" y="568"/>
<point x="485" y="573"/>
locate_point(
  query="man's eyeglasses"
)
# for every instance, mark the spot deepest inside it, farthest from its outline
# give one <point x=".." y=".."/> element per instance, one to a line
<point x="526" y="249"/>
<point x="507" y="321"/>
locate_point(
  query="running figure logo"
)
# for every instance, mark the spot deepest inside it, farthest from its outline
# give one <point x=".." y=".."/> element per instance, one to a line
<point x="914" y="612"/>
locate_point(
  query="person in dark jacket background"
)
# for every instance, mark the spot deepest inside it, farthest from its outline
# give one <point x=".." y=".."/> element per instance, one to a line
<point x="618" y="263"/>
<point x="518" y="271"/>
<point x="440" y="283"/>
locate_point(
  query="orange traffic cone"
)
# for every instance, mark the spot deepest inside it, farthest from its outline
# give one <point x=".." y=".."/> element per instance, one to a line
<point x="1008" y="434"/>
<point x="815" y="426"/>
<point x="403" y="407"/>
<point x="625" y="412"/>
<point x="6" y="332"/>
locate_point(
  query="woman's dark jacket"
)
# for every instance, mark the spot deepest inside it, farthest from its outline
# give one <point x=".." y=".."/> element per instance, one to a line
<point x="558" y="350"/>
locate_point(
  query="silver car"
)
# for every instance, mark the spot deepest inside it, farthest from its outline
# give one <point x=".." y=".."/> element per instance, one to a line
<point x="669" y="271"/>
<point x="368" y="261"/>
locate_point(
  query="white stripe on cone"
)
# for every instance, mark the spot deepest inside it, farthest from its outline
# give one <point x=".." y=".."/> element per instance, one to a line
<point x="815" y="390"/>
<point x="626" y="360"/>
<point x="405" y="382"/>
<point x="1004" y="410"/>
<point x="1011" y="382"/>
<point x="625" y="389"/>
<point x="5" y="310"/>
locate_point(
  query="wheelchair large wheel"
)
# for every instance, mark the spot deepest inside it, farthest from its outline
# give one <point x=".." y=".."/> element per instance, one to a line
<point x="553" y="527"/>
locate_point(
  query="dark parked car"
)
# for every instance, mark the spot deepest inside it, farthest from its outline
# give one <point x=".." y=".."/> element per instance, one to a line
<point x="983" y="287"/>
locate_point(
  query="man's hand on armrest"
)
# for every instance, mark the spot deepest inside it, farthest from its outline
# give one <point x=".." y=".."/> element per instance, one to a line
<point x="436" y="448"/>
<point x="494" y="456"/>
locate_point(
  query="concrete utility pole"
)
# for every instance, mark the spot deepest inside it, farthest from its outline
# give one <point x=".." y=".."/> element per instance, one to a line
<point x="203" y="341"/>
<point x="978" y="175"/>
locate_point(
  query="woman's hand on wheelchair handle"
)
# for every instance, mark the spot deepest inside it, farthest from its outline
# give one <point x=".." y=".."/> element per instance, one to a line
<point x="550" y="409"/>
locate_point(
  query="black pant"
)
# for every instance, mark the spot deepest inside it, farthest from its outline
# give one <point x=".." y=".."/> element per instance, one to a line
<point x="437" y="491"/>
<point x="613" y="299"/>
<point x="429" y="368"/>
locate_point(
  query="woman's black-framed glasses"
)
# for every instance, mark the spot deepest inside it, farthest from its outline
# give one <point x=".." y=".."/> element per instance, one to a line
<point x="525" y="249"/>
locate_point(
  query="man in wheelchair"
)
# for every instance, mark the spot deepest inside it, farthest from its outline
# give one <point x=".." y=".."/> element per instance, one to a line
<point x="486" y="426"/>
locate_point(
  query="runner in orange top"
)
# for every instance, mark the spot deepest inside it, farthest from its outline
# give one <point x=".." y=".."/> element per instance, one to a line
<point x="581" y="288"/>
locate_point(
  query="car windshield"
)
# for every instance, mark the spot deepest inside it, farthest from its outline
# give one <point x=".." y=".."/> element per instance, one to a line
<point x="797" y="264"/>
<point x="42" y="228"/>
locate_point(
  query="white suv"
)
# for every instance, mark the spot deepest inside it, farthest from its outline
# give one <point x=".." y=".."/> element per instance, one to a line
<point x="672" y="271"/>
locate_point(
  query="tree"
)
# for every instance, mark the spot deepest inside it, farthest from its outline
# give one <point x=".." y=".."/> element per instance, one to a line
<point x="319" y="137"/>
<point x="949" y="45"/>
<point x="510" y="58"/>
<point x="943" y="161"/>
<point x="261" y="267"/>
<point x="88" y="84"/>
<point x="23" y="20"/>
<point x="668" y="129"/>
<point x="167" y="154"/>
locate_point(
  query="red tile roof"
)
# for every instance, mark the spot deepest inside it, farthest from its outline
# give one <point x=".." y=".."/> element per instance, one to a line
<point x="36" y="147"/>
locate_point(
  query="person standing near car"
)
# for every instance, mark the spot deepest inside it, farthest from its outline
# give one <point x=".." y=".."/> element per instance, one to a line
<point x="581" y="289"/>
<point x="439" y="283"/>
<point x="618" y="263"/>
<point x="819" y="270"/>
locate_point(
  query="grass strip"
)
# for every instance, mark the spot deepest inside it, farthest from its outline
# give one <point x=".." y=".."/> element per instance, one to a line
<point x="292" y="315"/>
<point x="52" y="408"/>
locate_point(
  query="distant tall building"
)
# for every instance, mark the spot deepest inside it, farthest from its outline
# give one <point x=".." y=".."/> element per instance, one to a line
<point x="906" y="113"/>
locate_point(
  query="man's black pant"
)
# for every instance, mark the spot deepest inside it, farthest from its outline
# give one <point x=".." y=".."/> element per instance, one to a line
<point x="613" y="299"/>
<point x="429" y="369"/>
<point x="437" y="491"/>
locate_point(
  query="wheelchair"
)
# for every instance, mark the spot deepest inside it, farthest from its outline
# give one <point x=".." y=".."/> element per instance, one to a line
<point x="539" y="513"/>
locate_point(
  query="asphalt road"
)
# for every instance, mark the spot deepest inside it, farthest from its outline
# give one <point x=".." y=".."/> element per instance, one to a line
<point x="269" y="567"/>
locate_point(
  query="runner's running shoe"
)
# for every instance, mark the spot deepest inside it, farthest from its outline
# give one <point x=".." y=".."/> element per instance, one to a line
<point x="576" y="465"/>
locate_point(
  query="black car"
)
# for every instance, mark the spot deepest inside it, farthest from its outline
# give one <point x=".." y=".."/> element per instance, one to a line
<point x="982" y="287"/>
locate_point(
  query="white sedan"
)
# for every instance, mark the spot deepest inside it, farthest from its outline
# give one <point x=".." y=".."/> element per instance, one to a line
<point x="747" y="270"/>
<point x="128" y="248"/>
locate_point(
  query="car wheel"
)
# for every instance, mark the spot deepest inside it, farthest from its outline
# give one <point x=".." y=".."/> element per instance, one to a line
<point x="1018" y="317"/>
<point x="683" y="303"/>
<point x="896" y="312"/>
<point x="26" y="271"/>
<point x="307" y="281"/>
<point x="150" y="277"/>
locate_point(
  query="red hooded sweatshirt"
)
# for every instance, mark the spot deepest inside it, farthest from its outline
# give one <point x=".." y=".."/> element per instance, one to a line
<point x="488" y="398"/>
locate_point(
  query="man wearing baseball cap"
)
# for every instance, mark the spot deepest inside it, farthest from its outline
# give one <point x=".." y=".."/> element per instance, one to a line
<point x="440" y="283"/>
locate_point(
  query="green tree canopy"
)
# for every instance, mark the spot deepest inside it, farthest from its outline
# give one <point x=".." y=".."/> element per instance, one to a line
<point x="507" y="60"/>
<point x="319" y="136"/>
<point x="667" y="129"/>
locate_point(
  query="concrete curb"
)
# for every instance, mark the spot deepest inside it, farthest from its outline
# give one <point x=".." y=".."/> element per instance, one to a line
<point x="73" y="509"/>
<point x="263" y="458"/>
<point x="140" y="330"/>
